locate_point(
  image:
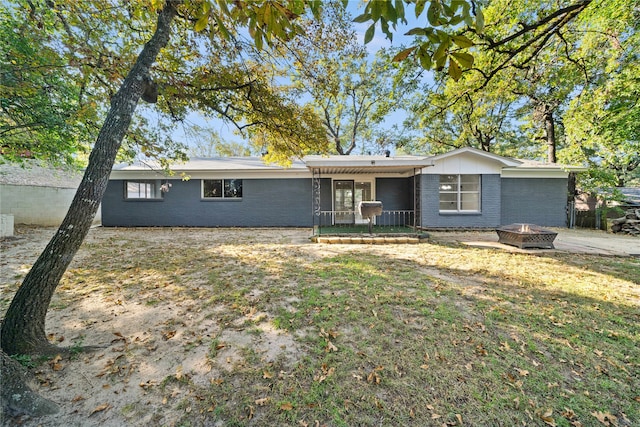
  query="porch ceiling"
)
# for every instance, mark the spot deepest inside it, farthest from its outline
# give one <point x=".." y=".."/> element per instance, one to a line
<point x="363" y="170"/>
<point x="356" y="165"/>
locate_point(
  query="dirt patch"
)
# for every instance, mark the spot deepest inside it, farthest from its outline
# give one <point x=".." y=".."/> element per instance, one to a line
<point x="152" y="344"/>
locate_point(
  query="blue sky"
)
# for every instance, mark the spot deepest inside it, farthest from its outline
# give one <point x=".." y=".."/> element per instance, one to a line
<point x="228" y="132"/>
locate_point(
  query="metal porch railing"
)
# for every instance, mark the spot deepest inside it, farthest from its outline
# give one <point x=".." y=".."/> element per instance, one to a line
<point x="340" y="222"/>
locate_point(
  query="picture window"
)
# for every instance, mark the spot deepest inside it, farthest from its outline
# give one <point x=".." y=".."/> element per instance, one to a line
<point x="143" y="189"/>
<point x="459" y="193"/>
<point x="221" y="188"/>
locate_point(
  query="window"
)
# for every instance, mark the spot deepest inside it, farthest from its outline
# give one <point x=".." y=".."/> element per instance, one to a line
<point x="221" y="188"/>
<point x="143" y="189"/>
<point x="459" y="193"/>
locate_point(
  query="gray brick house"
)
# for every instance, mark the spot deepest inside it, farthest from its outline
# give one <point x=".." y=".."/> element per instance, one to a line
<point x="463" y="188"/>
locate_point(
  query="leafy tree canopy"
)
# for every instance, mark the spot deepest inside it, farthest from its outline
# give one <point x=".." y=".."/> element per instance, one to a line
<point x="179" y="69"/>
<point x="546" y="76"/>
<point x="64" y="62"/>
<point x="603" y="120"/>
<point x="349" y="90"/>
<point x="44" y="114"/>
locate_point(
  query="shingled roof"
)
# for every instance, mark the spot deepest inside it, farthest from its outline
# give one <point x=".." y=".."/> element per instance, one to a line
<point x="39" y="175"/>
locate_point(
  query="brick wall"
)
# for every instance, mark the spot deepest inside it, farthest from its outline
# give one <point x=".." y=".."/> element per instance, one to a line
<point x="264" y="203"/>
<point x="489" y="215"/>
<point x="541" y="201"/>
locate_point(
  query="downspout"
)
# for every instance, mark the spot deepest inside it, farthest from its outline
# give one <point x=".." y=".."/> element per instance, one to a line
<point x="315" y="201"/>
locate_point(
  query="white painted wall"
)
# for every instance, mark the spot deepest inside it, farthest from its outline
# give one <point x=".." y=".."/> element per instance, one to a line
<point x="6" y="225"/>
<point x="464" y="163"/>
<point x="36" y="205"/>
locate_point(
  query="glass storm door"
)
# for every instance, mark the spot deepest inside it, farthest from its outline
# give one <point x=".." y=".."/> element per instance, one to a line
<point x="362" y="193"/>
<point x="346" y="196"/>
<point x="343" y="202"/>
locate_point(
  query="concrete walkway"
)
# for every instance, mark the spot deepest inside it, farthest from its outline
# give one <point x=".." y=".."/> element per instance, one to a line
<point x="573" y="241"/>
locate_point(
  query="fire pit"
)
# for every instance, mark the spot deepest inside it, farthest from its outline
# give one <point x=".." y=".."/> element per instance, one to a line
<point x="526" y="236"/>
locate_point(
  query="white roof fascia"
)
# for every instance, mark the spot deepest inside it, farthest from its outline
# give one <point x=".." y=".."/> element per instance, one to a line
<point x="210" y="174"/>
<point x="238" y="168"/>
<point x="534" y="173"/>
<point x="366" y="161"/>
<point x="534" y="169"/>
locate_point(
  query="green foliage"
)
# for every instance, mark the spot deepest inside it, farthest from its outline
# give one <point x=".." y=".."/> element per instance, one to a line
<point x="353" y="95"/>
<point x="76" y="348"/>
<point x="233" y="79"/>
<point x="265" y="21"/>
<point x="440" y="43"/>
<point x="207" y="143"/>
<point x="603" y="122"/>
<point x="63" y="65"/>
<point x="449" y="121"/>
<point x="25" y="360"/>
<point x="351" y="92"/>
<point x="582" y="79"/>
<point x="43" y="112"/>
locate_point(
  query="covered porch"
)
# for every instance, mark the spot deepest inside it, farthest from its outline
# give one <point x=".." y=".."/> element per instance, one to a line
<point x="340" y="183"/>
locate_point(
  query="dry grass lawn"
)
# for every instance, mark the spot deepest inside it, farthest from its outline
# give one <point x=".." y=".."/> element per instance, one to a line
<point x="226" y="327"/>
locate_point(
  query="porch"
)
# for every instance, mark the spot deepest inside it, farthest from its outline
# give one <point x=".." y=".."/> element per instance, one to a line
<point x="340" y="184"/>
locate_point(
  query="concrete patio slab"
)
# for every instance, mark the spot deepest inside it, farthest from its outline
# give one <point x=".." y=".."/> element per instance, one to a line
<point x="568" y="240"/>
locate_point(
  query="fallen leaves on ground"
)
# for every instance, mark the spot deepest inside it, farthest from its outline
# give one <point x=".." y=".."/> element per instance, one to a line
<point x="167" y="335"/>
<point x="100" y="408"/>
<point x="286" y="406"/>
<point x="55" y="363"/>
<point x="373" y="376"/>
<point x="326" y="373"/>
<point x="263" y="401"/>
<point x="605" y="418"/>
<point x="547" y="418"/>
<point x="331" y="347"/>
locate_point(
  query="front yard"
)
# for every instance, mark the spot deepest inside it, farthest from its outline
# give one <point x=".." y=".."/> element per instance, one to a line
<point x="261" y="327"/>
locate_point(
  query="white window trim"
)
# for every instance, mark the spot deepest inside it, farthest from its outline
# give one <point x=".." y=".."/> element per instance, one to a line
<point x="371" y="179"/>
<point x="459" y="193"/>
<point x="154" y="194"/>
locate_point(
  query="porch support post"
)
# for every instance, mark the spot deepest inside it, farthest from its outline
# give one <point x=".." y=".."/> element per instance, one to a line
<point x="415" y="200"/>
<point x="316" y="205"/>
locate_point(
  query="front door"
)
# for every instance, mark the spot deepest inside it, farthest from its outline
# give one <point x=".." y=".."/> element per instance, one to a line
<point x="346" y="196"/>
<point x="343" y="201"/>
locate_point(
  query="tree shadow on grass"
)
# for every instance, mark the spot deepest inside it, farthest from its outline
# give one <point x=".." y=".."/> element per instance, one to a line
<point x="402" y="335"/>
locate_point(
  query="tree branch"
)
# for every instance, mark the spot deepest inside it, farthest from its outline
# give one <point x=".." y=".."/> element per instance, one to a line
<point x="579" y="6"/>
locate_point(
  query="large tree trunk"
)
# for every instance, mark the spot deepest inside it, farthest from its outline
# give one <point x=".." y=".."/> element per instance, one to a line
<point x="572" y="186"/>
<point x="23" y="328"/>
<point x="17" y="396"/>
<point x="550" y="131"/>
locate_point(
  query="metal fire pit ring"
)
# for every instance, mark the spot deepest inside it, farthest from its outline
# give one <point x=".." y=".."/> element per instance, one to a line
<point x="526" y="236"/>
